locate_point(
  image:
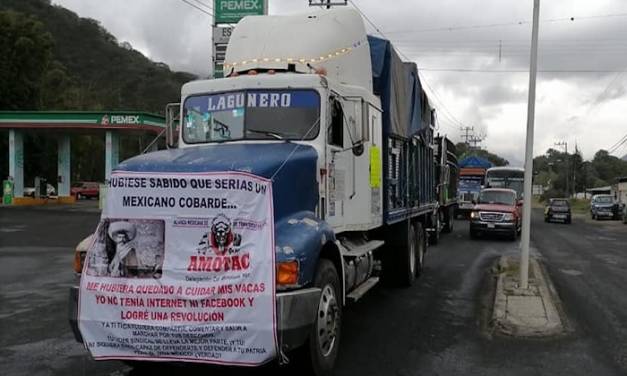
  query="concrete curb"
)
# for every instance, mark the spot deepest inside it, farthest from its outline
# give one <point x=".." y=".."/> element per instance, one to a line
<point x="535" y="312"/>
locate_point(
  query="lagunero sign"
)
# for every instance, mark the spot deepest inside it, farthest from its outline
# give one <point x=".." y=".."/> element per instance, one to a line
<point x="231" y="11"/>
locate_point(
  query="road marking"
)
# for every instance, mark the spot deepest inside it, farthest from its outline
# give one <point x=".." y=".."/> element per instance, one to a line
<point x="13" y="229"/>
<point x="572" y="272"/>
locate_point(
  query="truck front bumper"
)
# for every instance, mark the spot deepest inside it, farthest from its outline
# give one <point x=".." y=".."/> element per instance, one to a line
<point x="296" y="312"/>
<point x="493" y="227"/>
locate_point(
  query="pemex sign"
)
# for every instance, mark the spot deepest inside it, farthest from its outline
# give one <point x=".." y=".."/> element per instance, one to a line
<point x="231" y="11"/>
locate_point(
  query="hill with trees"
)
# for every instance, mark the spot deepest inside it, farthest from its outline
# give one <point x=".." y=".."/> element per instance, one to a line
<point x="568" y="173"/>
<point x="60" y="61"/>
<point x="52" y="59"/>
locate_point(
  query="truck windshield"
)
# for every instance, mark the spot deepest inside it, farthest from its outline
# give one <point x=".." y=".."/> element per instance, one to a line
<point x="603" y="200"/>
<point x="252" y="115"/>
<point x="497" y="197"/>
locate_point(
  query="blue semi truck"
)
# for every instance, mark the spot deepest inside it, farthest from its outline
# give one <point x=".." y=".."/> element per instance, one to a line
<point x="343" y="131"/>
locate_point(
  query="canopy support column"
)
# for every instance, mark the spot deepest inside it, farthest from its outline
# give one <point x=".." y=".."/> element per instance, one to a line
<point x="16" y="161"/>
<point x="112" y="152"/>
<point x="63" y="166"/>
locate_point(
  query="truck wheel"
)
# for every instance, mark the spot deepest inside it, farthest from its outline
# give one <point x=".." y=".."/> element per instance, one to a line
<point x="473" y="234"/>
<point x="324" y="339"/>
<point x="399" y="255"/>
<point x="434" y="236"/>
<point x="421" y="248"/>
<point x="449" y="219"/>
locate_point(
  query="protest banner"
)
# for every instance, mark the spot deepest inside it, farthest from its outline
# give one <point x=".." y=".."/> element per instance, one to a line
<point x="182" y="269"/>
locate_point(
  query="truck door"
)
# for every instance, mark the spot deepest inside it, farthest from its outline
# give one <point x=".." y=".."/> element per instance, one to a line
<point x="354" y="184"/>
<point x="336" y="162"/>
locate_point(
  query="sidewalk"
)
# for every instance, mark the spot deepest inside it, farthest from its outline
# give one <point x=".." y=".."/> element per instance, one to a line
<point x="534" y="312"/>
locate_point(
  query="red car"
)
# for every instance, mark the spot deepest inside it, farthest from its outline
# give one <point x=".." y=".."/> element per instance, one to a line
<point x="85" y="189"/>
<point x="498" y="211"/>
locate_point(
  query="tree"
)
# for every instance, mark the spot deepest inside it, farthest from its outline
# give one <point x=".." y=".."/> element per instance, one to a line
<point x="463" y="151"/>
<point x="25" y="52"/>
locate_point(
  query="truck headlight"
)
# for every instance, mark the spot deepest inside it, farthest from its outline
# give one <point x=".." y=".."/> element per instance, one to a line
<point x="508" y="217"/>
<point x="474" y="215"/>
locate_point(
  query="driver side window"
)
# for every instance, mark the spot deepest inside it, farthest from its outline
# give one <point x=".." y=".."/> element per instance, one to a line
<point x="335" y="127"/>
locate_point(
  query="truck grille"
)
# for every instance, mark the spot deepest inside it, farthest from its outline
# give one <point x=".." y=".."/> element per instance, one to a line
<point x="490" y="217"/>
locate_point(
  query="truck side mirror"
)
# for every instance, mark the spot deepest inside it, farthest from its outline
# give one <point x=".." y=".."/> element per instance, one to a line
<point x="172" y="121"/>
<point x="358" y="148"/>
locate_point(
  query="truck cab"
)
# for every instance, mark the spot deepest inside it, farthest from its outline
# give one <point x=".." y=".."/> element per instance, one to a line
<point x="341" y="131"/>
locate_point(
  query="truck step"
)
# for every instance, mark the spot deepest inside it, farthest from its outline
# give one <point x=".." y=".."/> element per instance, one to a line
<point x="362" y="289"/>
<point x="356" y="248"/>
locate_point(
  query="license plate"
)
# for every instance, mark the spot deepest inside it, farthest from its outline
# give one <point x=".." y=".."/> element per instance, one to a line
<point x="560" y="216"/>
<point x="490" y="225"/>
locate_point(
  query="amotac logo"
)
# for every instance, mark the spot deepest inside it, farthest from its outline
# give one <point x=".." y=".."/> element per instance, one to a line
<point x="220" y="239"/>
<point x="219" y="249"/>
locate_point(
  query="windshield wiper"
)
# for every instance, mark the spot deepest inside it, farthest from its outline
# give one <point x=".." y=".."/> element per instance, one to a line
<point x="267" y="133"/>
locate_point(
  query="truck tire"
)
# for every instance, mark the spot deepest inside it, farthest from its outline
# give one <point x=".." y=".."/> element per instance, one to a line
<point x="449" y="219"/>
<point x="473" y="234"/>
<point x="400" y="257"/>
<point x="421" y="248"/>
<point x="434" y="236"/>
<point x="324" y="338"/>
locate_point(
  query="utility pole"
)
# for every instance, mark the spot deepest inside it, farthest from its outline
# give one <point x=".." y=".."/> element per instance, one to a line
<point x="564" y="144"/>
<point x="531" y="112"/>
<point x="475" y="140"/>
<point x="326" y="3"/>
<point x="468" y="136"/>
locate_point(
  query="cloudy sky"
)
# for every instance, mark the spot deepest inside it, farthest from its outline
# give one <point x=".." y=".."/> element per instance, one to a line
<point x="473" y="54"/>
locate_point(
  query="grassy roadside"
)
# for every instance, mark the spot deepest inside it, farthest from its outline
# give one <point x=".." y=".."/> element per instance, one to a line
<point x="580" y="206"/>
<point x="577" y="205"/>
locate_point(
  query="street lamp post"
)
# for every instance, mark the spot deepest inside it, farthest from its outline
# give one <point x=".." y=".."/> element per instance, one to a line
<point x="526" y="227"/>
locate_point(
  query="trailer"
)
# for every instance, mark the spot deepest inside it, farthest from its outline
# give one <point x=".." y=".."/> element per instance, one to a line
<point x="472" y="178"/>
<point x="447" y="178"/>
<point x="292" y="187"/>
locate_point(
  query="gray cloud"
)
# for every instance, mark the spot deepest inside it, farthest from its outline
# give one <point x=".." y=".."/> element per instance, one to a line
<point x="570" y="102"/>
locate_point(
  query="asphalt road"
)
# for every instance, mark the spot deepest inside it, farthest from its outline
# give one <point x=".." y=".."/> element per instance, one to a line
<point x="436" y="327"/>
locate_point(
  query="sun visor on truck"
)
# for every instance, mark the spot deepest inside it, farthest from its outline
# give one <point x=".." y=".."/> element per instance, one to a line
<point x="406" y="110"/>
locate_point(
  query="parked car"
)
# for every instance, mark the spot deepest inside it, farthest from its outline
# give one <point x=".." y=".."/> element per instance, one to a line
<point x="557" y="208"/>
<point x="497" y="212"/>
<point x="85" y="189"/>
<point x="604" y="206"/>
<point x="30" y="191"/>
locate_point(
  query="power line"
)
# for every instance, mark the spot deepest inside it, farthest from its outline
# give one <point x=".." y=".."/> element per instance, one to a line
<point x="197" y="7"/>
<point x="617" y="145"/>
<point x="204" y="5"/>
<point x="435" y="96"/>
<point x="505" y="24"/>
<point x="376" y="28"/>
<point x="471" y="70"/>
<point x="598" y="99"/>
